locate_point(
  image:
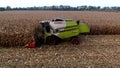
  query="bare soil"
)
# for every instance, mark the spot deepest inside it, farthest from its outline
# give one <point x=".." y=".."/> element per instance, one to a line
<point x="94" y="51"/>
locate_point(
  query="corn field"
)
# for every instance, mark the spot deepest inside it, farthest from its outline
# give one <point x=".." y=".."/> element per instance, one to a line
<point x="16" y="27"/>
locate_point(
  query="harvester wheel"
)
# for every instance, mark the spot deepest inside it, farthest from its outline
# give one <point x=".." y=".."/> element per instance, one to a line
<point x="75" y="41"/>
<point x="51" y="40"/>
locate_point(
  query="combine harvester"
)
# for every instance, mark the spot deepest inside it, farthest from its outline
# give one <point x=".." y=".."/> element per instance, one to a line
<point x="56" y="30"/>
<point x="53" y="31"/>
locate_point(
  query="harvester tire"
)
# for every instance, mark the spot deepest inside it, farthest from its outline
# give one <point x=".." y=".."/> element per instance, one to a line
<point x="52" y="40"/>
<point x="75" y="41"/>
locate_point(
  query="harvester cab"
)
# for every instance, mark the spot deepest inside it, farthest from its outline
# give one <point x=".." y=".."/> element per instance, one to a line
<point x="57" y="29"/>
